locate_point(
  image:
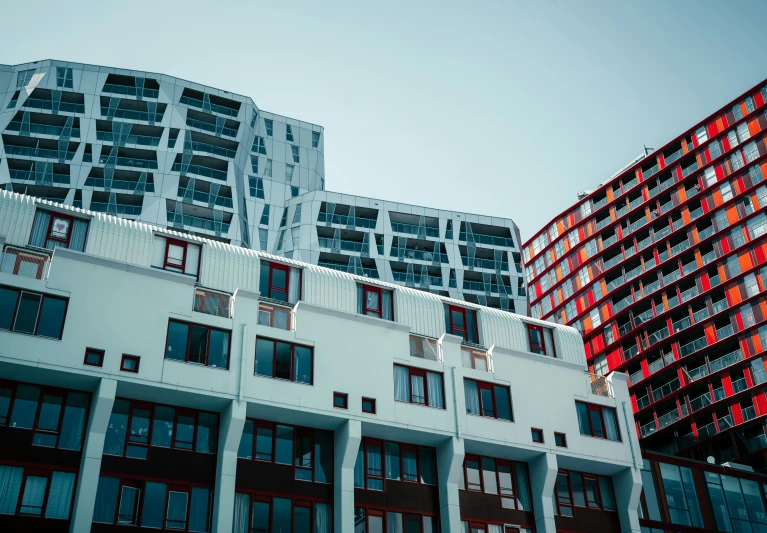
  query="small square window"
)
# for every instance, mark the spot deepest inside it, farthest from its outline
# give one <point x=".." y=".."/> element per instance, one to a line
<point x="94" y="357"/>
<point x="341" y="400"/>
<point x="369" y="405"/>
<point x="130" y="363"/>
<point x="537" y="435"/>
<point x="560" y="439"/>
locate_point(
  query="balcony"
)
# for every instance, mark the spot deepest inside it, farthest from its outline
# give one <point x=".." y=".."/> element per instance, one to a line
<point x="420" y="255"/>
<point x="739" y="385"/>
<point x="668" y="418"/>
<point x="673" y="157"/>
<point x="130" y="91"/>
<point x="756" y="444"/>
<point x="417" y="279"/>
<point x="344" y="220"/>
<point x="681" y="324"/>
<point x="43" y="129"/>
<point x="657" y="336"/>
<point x="704" y="400"/>
<point x="413" y="229"/>
<point x="345" y="245"/>
<point x="29" y="175"/>
<point x="215" y="108"/>
<point x="603" y="223"/>
<point x="489" y="264"/>
<point x="648" y="429"/>
<point x="141" y="140"/>
<point x="720" y="305"/>
<point x="205" y="197"/>
<point x="723" y="333"/>
<point x="749" y="413"/>
<point x="725" y="361"/>
<point x="644" y="243"/>
<point x="629" y="353"/>
<point x="24" y="263"/>
<point x="488" y="239"/>
<point x="643" y="317"/>
<point x="689" y="267"/>
<point x="201" y="171"/>
<point x="209" y="126"/>
<point x="696" y="213"/>
<point x="689" y="294"/>
<point x="612" y="262"/>
<point x="120" y="209"/>
<point x="724" y="422"/>
<point x="650" y="171"/>
<point x="367" y="272"/>
<point x="614" y="284"/>
<point x="636" y="377"/>
<point x="697" y="373"/>
<point x="30" y="151"/>
<point x="600" y="385"/>
<point x="671" y="277"/>
<point x="665" y="389"/>
<point x="706" y="431"/>
<point x="134" y="162"/>
<point x="480" y="286"/>
<point x="213" y="149"/>
<point x="699" y="316"/>
<point x="609" y="241"/>
<point x="599" y="204"/>
<point x="693" y="346"/>
<point x="425" y="348"/>
<point x="65" y="107"/>
<point x="689" y="170"/>
<point x="131" y="114"/>
<point x="199" y="223"/>
<point x="662" y="362"/>
<point x="643" y="402"/>
<point x="625" y="328"/>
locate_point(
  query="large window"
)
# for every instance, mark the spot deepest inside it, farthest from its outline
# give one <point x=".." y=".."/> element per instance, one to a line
<point x="56" y="417"/>
<point x="280" y="282"/>
<point x="578" y="489"/>
<point x="32" y="313"/>
<point x="735" y="502"/>
<point x="462" y="322"/>
<point x="308" y="450"/>
<point x="682" y="499"/>
<point x="414" y="385"/>
<point x="134" y="427"/>
<point x="152" y="504"/>
<point x="541" y="340"/>
<point x="56" y="230"/>
<point x="371" y="520"/>
<point x="597" y="421"/>
<point x="256" y="513"/>
<point x="375" y="301"/>
<point x="195" y="343"/>
<point x="474" y="526"/>
<point x="36" y="492"/>
<point x="176" y="255"/>
<point x="487" y="399"/>
<point x="509" y="480"/>
<point x="283" y="360"/>
<point x="379" y="460"/>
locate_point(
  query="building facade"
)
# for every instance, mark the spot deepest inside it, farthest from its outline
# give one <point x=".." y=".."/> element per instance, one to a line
<point x="204" y="161"/>
<point x="662" y="271"/>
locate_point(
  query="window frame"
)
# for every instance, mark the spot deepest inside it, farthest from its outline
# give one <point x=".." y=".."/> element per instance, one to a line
<point x="500" y="494"/>
<point x="49" y="232"/>
<point x="14" y="316"/>
<point x="563" y="437"/>
<point x="372" y="402"/>
<point x="190" y="325"/>
<point x="98" y="353"/>
<point x="292" y="361"/>
<point x="584" y="476"/>
<point x="533" y="346"/>
<point x="596" y="408"/>
<point x="475" y="324"/>
<point x="126" y="357"/>
<point x="173" y="267"/>
<point x="41" y="473"/>
<point x="423" y="373"/>
<point x="484" y="385"/>
<point x="344" y="397"/>
<point x="401" y="446"/>
<point x="286" y="268"/>
<point x="537" y="435"/>
<point x="377" y="313"/>
<point x="296" y="501"/>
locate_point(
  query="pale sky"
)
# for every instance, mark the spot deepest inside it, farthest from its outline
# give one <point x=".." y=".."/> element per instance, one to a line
<point x="501" y="108"/>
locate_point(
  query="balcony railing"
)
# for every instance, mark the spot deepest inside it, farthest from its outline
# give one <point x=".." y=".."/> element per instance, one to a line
<point x="65" y="107"/>
<point x="689" y="170"/>
<point x="749" y="413"/>
<point x="24" y="263"/>
<point x="130" y="91"/>
<point x="668" y="418"/>
<point x="707" y="431"/>
<point x="212" y="302"/>
<point x="739" y="385"/>
<point x="482" y="287"/>
<point x="421" y="255"/>
<point x="199" y="104"/>
<point x="648" y="429"/>
<point x="612" y="262"/>
<point x="424" y="348"/>
<point x="600" y="385"/>
<point x="484" y="263"/>
<point x="417" y="279"/>
<point x="689" y="294"/>
<point x="357" y="222"/>
<point x="650" y="171"/>
<point x="622" y="304"/>
<point x="719" y="306"/>
<point x="693" y="346"/>
<point x="697" y="373"/>
<point x="704" y="400"/>
<point x="673" y="157"/>
<point x="757" y="443"/>
<point x="660" y="363"/>
<point x="643" y="317"/>
<point x="700" y="315"/>
<point x="201" y="171"/>
<point x="141" y="140"/>
<point x="204" y="197"/>
<point x="347" y="246"/>
<point x="199" y="223"/>
<point x="636" y="377"/>
<point x="665" y="389"/>
<point x="724" y="332"/>
<point x="413" y="229"/>
<point x="30" y="151"/>
<point x="681" y="324"/>
<point x="643" y="402"/>
<point x="488" y="239"/>
<point x="43" y="129"/>
<point x="629" y="353"/>
<point x="30" y="175"/>
<point x="120" y="209"/>
<point x="725" y="361"/>
<point x="213" y="149"/>
<point x="135" y="162"/>
<point x="657" y="336"/>
<point x="725" y="422"/>
<point x="208" y="126"/>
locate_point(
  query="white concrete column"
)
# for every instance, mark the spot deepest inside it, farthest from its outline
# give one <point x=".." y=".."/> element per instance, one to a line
<point x="449" y="465"/>
<point x="347" y="444"/>
<point x="628" y="488"/>
<point x="543" y="477"/>
<point x="229" y="435"/>
<point x="90" y="464"/>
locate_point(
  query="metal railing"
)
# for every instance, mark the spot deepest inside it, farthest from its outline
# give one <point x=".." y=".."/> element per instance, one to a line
<point x="65" y="107"/>
<point x="141" y="140"/>
<point x="739" y="385"/>
<point x="707" y="431"/>
<point x="358" y="222"/>
<point x="668" y="418"/>
<point x="484" y="263"/>
<point x="693" y="346"/>
<point x="665" y="389"/>
<point x="43" y="129"/>
<point x="704" y="400"/>
<point x="724" y="332"/>
<point x="673" y="157"/>
<point x="201" y="171"/>
<point x="30" y="151"/>
<point x="643" y="402"/>
<point x="202" y="196"/>
<point x="636" y="377"/>
<point x="212" y="302"/>
<point x="660" y="363"/>
<point x="697" y="373"/>
<point x="725" y="361"/>
<point x="215" y="108"/>
<point x="648" y="429"/>
<point x="345" y="245"/>
<point x="209" y="126"/>
<point x="29" y="175"/>
<point x="200" y="223"/>
<point x="120" y="209"/>
<point x="600" y="385"/>
<point x="413" y="229"/>
<point x="749" y="413"/>
<point x="130" y="91"/>
<point x="403" y="277"/>
<point x="213" y="149"/>
<point x="488" y="239"/>
<point x="421" y="255"/>
<point x="719" y="306"/>
<point x="630" y="352"/>
<point x="135" y="162"/>
<point x="424" y="348"/>
<point x="24" y="263"/>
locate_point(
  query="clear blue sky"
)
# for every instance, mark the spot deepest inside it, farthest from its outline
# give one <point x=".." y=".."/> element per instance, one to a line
<point x="503" y="108"/>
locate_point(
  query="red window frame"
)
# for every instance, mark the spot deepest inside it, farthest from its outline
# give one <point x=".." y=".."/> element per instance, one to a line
<point x="594" y="478"/>
<point x="167" y="263"/>
<point x="344" y="400"/>
<point x="286" y="268"/>
<point x="382" y="512"/>
<point x="483" y="385"/>
<point x="372" y="402"/>
<point x="382" y="476"/>
<point x="135" y="358"/>
<point x="536" y="347"/>
<point x="134" y="484"/>
<point x="37" y="258"/>
<point x="537" y="435"/>
<point x="412" y="371"/>
<point x="560" y="501"/>
<point x="380" y="292"/>
<point x="600" y="409"/>
<point x="463" y="332"/>
<point x="504" y="493"/>
<point x="304" y="502"/>
<point x="49" y="233"/>
<point x="563" y="438"/>
<point x="292" y="361"/>
<point x="415" y="450"/>
<point x="36" y="472"/>
<point x="96" y="352"/>
<point x="400" y="461"/>
<point x="190" y="325"/>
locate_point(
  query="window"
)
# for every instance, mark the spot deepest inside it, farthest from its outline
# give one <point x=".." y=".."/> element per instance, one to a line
<point x="315" y="139"/>
<point x="681" y="496"/>
<point x="597" y="421"/>
<point x="23" y="78"/>
<point x="274" y="316"/>
<point x="341" y="400"/>
<point x="55" y="417"/>
<point x="32" y="313"/>
<point x="375" y="301"/>
<point x="369" y="520"/>
<point x="152" y="504"/>
<point x="269" y="127"/>
<point x="55" y="230"/>
<point x="135" y="426"/>
<point x="258" y="146"/>
<point x="309" y="450"/>
<point x="578" y="489"/>
<point x="36" y="492"/>
<point x="369" y="405"/>
<point x="14" y="99"/>
<point x="541" y="340"/>
<point x="462" y="322"/>
<point x="288" y="133"/>
<point x="256" y="187"/>
<point x="255" y="513"/>
<point x="294" y="151"/>
<point x="264" y="221"/>
<point x="509" y="480"/>
<point x="94" y="357"/>
<point x="176" y="256"/>
<point x="414" y="385"/>
<point x="485" y="399"/>
<point x="280" y="282"/>
<point x="560" y="439"/>
<point x="297" y="215"/>
<point x="378" y="460"/>
<point x="64" y="77"/>
<point x="283" y="360"/>
<point x="537" y="435"/>
<point x="268" y="168"/>
<point x="129" y="363"/>
<point x="294" y="191"/>
<point x="195" y="343"/>
<point x="734" y="502"/>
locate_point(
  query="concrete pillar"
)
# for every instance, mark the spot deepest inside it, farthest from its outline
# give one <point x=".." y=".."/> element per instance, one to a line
<point x="543" y="476"/>
<point x="90" y="464"/>
<point x="628" y="488"/>
<point x="449" y="466"/>
<point x="347" y="443"/>
<point x="230" y="433"/>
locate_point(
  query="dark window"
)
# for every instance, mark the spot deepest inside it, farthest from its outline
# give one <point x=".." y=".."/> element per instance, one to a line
<point x="176" y="256"/>
<point x="94" y="357"/>
<point x="56" y="416"/>
<point x="280" y="282"/>
<point x="130" y="363"/>
<point x="199" y="344"/>
<point x="369" y="405"/>
<point x="379" y="460"/>
<point x="597" y="421"/>
<point x="64" y="77"/>
<point x="56" y="230"/>
<point x="269" y="126"/>
<point x="509" y="480"/>
<point x="414" y="385"/>
<point x="374" y="301"/>
<point x="265" y="513"/>
<point x="462" y="322"/>
<point x="37" y="492"/>
<point x="579" y="489"/>
<point x="32" y="313"/>
<point x="541" y="340"/>
<point x="315" y="139"/>
<point x="486" y="399"/>
<point x="560" y="439"/>
<point x="283" y="360"/>
<point x="369" y="520"/>
<point x="537" y="435"/>
<point x="340" y="400"/>
<point x="309" y="450"/>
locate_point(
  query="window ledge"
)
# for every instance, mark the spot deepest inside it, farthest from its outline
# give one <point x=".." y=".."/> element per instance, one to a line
<point x="365" y="319"/>
<point x="200" y="365"/>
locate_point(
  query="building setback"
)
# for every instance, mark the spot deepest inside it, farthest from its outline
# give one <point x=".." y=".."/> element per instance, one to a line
<point x="204" y="161"/>
<point x="662" y="271"/>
